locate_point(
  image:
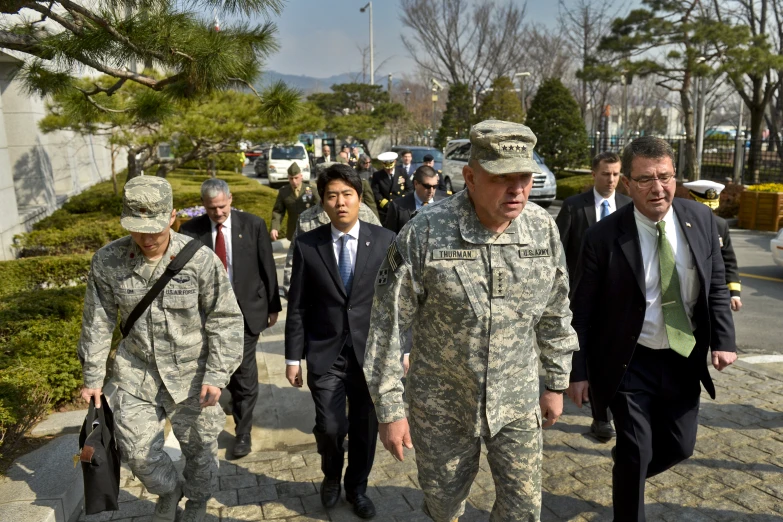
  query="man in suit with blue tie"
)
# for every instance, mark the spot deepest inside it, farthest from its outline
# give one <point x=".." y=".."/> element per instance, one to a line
<point x="577" y="214"/>
<point x="330" y="299"/>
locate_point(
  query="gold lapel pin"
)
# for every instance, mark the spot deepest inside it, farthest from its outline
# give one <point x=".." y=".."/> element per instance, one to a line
<point x="240" y="235"/>
<point x="686" y="224"/>
<point x="367" y="244"/>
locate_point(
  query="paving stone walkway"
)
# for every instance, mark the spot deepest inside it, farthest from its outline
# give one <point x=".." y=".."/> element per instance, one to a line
<point x="736" y="473"/>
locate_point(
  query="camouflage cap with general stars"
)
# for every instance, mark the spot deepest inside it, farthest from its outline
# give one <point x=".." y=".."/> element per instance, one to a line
<point x="503" y="147"/>
<point x="147" y="202"/>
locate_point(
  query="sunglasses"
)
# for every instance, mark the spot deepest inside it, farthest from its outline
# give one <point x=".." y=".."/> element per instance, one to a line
<point x="428" y="187"/>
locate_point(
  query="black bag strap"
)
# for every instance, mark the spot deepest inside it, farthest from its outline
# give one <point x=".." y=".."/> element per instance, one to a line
<point x="177" y="264"/>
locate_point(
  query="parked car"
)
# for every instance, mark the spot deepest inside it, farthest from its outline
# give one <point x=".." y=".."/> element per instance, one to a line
<point x="276" y="159"/>
<point x="776" y="247"/>
<point x="418" y="153"/>
<point x="457" y="155"/>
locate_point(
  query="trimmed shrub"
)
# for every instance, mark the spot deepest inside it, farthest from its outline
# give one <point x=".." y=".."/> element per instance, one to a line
<point x="24" y="399"/>
<point x="42" y="272"/>
<point x="572" y="185"/>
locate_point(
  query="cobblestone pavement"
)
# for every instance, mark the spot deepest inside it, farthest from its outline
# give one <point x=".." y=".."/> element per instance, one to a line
<point x="736" y="473"/>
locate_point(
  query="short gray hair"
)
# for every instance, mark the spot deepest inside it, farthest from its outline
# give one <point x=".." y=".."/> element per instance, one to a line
<point x="645" y="147"/>
<point x="212" y="187"/>
<point x="364" y="157"/>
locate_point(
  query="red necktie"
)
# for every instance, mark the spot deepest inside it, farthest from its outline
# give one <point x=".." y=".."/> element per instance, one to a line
<point x="220" y="246"/>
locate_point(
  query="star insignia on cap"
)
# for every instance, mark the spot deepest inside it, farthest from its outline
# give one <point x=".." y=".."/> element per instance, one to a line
<point x="505" y="148"/>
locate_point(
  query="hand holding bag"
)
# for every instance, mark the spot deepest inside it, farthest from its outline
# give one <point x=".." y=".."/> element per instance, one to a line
<point x="100" y="458"/>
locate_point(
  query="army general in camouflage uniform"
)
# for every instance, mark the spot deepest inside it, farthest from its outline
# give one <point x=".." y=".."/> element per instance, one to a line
<point x="482" y="279"/>
<point x="292" y="199"/>
<point x="176" y="358"/>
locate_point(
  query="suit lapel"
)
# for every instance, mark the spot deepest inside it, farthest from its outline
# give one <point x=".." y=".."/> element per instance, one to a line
<point x="326" y="251"/>
<point x="205" y="235"/>
<point x="237" y="237"/>
<point x="631" y="247"/>
<point x="589" y="208"/>
<point x="362" y="251"/>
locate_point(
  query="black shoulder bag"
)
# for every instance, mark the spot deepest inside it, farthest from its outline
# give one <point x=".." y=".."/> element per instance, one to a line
<point x="177" y="264"/>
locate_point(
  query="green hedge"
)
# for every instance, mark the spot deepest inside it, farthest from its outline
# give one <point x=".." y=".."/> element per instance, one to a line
<point x="91" y="219"/>
<point x="571" y="185"/>
<point x="38" y="273"/>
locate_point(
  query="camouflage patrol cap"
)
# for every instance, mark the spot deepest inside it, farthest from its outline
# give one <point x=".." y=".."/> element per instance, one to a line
<point x="294" y="169"/>
<point x="503" y="147"/>
<point x="147" y="202"/>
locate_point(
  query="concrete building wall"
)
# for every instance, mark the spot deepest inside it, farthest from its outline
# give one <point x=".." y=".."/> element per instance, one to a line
<point x="38" y="172"/>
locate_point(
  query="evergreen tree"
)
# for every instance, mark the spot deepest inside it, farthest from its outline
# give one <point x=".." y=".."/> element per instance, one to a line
<point x="458" y="116"/>
<point x="502" y="102"/>
<point x="555" y="119"/>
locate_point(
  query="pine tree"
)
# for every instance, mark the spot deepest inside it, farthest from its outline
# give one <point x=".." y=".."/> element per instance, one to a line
<point x="458" y="116"/>
<point x="501" y="102"/>
<point x="554" y="118"/>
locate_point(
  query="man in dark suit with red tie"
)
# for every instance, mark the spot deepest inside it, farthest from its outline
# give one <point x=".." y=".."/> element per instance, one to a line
<point x="329" y="304"/>
<point x="650" y="304"/>
<point x="242" y="243"/>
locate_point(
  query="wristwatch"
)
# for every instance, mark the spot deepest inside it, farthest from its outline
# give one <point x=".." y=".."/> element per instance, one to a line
<point x="555" y="391"/>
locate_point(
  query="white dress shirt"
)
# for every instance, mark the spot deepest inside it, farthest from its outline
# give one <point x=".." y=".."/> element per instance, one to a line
<point x="351" y="243"/>
<point x="654" y="329"/>
<point x="227" y="236"/>
<point x="407" y="169"/>
<point x="599" y="200"/>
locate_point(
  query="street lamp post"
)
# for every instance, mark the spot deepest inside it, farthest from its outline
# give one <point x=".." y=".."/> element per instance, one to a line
<point x="407" y="95"/>
<point x="372" y="58"/>
<point x="522" y="76"/>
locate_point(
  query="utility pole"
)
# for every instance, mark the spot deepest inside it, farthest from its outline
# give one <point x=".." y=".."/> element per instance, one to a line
<point x="625" y="109"/>
<point x="700" y="129"/>
<point x="522" y="76"/>
<point x="739" y="147"/>
<point x="389" y="86"/>
<point x="372" y="54"/>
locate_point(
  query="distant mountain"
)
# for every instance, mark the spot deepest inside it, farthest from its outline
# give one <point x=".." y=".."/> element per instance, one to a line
<point x="306" y="84"/>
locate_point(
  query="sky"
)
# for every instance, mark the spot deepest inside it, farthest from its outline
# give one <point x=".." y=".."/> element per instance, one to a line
<point x="320" y="37"/>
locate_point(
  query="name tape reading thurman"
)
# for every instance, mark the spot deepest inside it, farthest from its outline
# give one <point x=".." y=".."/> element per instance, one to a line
<point x="443" y="253"/>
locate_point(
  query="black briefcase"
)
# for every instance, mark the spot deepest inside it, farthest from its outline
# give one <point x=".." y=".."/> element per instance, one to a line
<point x="100" y="458"/>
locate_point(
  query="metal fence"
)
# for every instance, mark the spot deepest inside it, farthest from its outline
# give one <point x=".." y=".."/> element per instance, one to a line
<point x="723" y="157"/>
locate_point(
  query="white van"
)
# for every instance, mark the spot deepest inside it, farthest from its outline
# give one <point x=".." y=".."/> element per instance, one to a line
<point x="280" y="157"/>
<point x="457" y="155"/>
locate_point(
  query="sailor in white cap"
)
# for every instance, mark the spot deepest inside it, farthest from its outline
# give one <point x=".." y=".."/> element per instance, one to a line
<point x="708" y="192"/>
<point x="386" y="185"/>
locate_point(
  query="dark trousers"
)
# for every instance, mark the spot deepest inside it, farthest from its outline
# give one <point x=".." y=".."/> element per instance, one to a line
<point x="656" y="415"/>
<point x="344" y="379"/>
<point x="592" y="408"/>
<point x="243" y="386"/>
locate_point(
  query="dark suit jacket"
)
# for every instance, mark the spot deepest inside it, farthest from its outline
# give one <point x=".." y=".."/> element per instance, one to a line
<point x="729" y="258"/>
<point x="399" y="170"/>
<point x="255" y="275"/>
<point x="401" y="210"/>
<point x="322" y="159"/>
<point x="573" y="220"/>
<point x="320" y="315"/>
<point x="609" y="301"/>
<point x="388" y="189"/>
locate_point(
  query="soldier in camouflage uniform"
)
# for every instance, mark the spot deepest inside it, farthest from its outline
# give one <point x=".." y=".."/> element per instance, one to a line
<point x="482" y="280"/>
<point x="177" y="357"/>
<point x="316" y="216"/>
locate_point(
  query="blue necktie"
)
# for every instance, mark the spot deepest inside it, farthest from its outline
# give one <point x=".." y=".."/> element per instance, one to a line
<point x="604" y="209"/>
<point x="344" y="266"/>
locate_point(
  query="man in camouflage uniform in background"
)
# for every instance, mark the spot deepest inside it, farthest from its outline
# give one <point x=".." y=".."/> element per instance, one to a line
<point x="482" y="279"/>
<point x="316" y="216"/>
<point x="177" y="357"/>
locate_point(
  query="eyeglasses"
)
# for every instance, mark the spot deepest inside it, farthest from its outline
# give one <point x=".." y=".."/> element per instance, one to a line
<point x="428" y="187"/>
<point x="647" y="181"/>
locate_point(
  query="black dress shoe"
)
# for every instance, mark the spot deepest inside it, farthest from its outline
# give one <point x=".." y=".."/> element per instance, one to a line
<point x="603" y="431"/>
<point x="330" y="492"/>
<point x="362" y="505"/>
<point x="242" y="445"/>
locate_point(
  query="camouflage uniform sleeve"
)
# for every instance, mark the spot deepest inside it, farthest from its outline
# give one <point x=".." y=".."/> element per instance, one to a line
<point x="99" y="319"/>
<point x="223" y="322"/>
<point x="556" y="338"/>
<point x="278" y="211"/>
<point x="397" y="290"/>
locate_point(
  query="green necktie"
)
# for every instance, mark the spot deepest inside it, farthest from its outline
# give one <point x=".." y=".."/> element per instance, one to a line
<point x="678" y="329"/>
